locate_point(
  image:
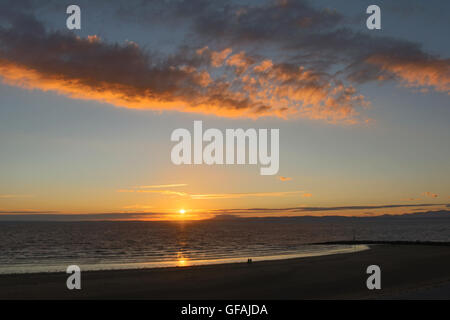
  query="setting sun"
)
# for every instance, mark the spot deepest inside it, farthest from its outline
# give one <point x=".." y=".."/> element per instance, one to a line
<point x="182" y="211"/>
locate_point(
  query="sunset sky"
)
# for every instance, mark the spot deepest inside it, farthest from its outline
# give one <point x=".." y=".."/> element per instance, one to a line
<point x="86" y="115"/>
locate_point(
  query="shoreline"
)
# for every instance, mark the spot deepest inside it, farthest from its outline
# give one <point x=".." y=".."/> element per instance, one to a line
<point x="406" y="269"/>
<point x="46" y="269"/>
<point x="362" y="245"/>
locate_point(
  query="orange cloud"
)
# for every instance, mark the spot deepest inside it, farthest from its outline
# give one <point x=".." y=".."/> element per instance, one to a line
<point x="15" y="196"/>
<point x="93" y="38"/>
<point x="416" y="72"/>
<point x="430" y="195"/>
<point x="218" y="57"/>
<point x="307" y="102"/>
<point x="240" y="61"/>
<point x="199" y="82"/>
<point x="213" y="196"/>
<point x="284" y="178"/>
<point x="163" y="192"/>
<point x="157" y="186"/>
<point x="309" y="94"/>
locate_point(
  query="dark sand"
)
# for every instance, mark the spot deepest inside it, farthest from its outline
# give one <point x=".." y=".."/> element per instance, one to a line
<point x="408" y="271"/>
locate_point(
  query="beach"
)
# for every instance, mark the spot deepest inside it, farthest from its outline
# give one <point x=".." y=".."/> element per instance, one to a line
<point x="408" y="271"/>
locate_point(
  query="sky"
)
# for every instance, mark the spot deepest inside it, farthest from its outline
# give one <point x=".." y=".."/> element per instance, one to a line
<point x="86" y="115"/>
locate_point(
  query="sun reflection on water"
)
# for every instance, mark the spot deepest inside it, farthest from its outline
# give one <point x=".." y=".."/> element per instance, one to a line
<point x="181" y="260"/>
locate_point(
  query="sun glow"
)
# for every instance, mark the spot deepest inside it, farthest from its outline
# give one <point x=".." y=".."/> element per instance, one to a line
<point x="182" y="211"/>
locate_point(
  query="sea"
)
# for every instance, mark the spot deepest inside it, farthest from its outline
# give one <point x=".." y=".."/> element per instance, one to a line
<point x="42" y="246"/>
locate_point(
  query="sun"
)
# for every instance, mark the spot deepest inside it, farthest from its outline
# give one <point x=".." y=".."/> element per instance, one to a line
<point x="182" y="211"/>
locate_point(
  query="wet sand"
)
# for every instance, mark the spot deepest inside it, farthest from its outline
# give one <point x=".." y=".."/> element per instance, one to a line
<point x="408" y="272"/>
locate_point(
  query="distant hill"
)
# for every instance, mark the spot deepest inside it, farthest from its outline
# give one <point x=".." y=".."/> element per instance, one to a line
<point x="416" y="215"/>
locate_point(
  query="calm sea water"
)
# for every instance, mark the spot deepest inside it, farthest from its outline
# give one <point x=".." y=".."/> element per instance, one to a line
<point x="52" y="246"/>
